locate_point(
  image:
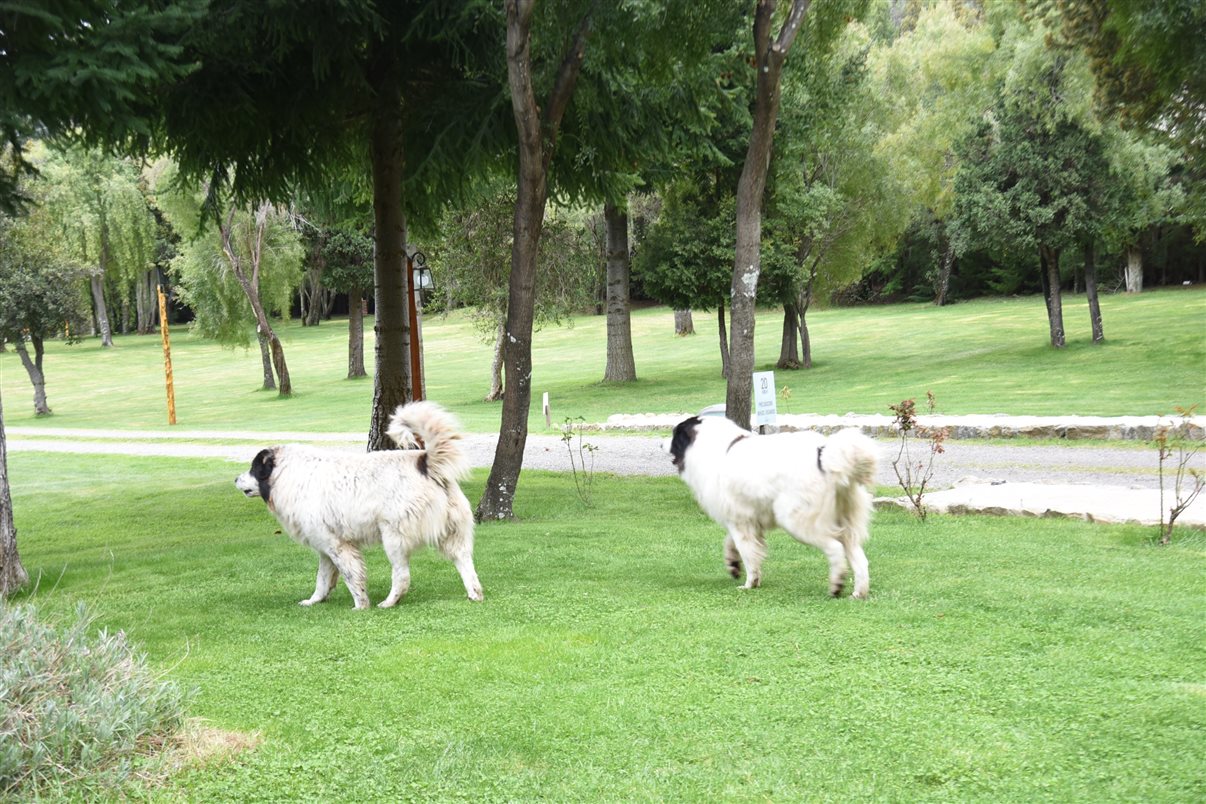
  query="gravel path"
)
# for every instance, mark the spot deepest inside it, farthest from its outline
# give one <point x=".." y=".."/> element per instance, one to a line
<point x="1130" y="467"/>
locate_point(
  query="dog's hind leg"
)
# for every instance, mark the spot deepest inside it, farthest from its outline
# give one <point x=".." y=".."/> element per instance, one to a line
<point x="858" y="566"/>
<point x="732" y="558"/>
<point x="751" y="546"/>
<point x="350" y="562"/>
<point x="805" y="528"/>
<point x="328" y="574"/>
<point x="399" y="569"/>
<point x="464" y="565"/>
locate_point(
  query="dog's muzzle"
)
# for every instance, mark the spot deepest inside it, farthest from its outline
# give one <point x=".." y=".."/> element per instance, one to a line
<point x="247" y="484"/>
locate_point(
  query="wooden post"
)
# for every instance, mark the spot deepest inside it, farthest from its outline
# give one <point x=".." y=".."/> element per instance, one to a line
<point x="167" y="356"/>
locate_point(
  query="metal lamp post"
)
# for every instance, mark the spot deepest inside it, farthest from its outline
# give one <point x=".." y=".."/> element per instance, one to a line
<point x="420" y="282"/>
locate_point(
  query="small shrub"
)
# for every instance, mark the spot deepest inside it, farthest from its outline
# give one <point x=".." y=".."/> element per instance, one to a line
<point x="584" y="473"/>
<point x="80" y="715"/>
<point x="914" y="475"/>
<point x="1175" y="442"/>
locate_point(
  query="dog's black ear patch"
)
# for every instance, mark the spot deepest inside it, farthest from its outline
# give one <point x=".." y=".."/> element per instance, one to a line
<point x="684" y="437"/>
<point x="261" y="470"/>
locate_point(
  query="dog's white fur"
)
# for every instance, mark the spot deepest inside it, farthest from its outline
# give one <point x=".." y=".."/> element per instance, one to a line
<point x="403" y="499"/>
<point x="815" y="488"/>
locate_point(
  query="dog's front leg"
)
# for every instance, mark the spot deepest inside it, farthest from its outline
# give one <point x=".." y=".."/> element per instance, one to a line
<point x="351" y="565"/>
<point x="752" y="549"/>
<point x="328" y="574"/>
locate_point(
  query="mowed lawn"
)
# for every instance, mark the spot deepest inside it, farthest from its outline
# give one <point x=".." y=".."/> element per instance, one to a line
<point x="988" y="356"/>
<point x="998" y="659"/>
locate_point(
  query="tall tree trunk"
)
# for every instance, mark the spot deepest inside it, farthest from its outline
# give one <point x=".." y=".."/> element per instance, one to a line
<point x="313" y="293"/>
<point x="1049" y="258"/>
<point x="251" y="289"/>
<point x="142" y="303"/>
<point x="725" y="358"/>
<point x="789" y="354"/>
<point x="802" y="305"/>
<point x="747" y="264"/>
<point x="683" y="323"/>
<point x="621" y="367"/>
<point x="1134" y="270"/>
<point x="536" y="125"/>
<point x="36" y="376"/>
<point x="805" y="340"/>
<point x="391" y="380"/>
<point x="266" y="360"/>
<point x="496" y="365"/>
<point x="12" y="574"/>
<point x="943" y="284"/>
<point x="97" y="283"/>
<point x="125" y="315"/>
<point x="356" y="333"/>
<point x="1091" y="291"/>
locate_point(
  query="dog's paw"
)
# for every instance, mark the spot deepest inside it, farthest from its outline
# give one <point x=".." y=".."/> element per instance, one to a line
<point x="386" y="604"/>
<point x="307" y="602"/>
<point x="734" y="568"/>
<point x="476" y="595"/>
<point x="836" y="590"/>
<point x="860" y="594"/>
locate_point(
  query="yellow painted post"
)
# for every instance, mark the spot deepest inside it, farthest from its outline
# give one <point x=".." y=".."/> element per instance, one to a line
<point x="167" y="357"/>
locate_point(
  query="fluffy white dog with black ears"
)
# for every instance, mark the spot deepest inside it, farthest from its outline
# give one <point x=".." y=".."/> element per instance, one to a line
<point x="815" y="488"/>
<point x="404" y="499"/>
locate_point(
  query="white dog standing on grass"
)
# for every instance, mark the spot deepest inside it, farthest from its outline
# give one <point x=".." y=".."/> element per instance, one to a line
<point x="815" y="488"/>
<point x="337" y="503"/>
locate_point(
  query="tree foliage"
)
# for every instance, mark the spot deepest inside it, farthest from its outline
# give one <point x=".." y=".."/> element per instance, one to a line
<point x="203" y="274"/>
<point x="40" y="294"/>
<point x="84" y="70"/>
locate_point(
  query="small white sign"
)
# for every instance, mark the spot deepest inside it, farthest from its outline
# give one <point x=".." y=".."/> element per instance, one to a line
<point x="765" y="409"/>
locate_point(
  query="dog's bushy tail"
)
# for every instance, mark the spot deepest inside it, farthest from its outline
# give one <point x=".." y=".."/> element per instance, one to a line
<point x="850" y="460"/>
<point x="851" y="457"/>
<point x="428" y="426"/>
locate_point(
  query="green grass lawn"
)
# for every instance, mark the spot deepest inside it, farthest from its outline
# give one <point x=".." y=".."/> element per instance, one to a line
<point x="998" y="659"/>
<point x="988" y="356"/>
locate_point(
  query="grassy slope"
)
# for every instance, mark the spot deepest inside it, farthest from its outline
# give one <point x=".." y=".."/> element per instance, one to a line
<point x="986" y="356"/>
<point x="999" y="659"/>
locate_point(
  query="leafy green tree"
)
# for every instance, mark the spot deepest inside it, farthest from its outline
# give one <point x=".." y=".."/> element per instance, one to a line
<point x="1031" y="180"/>
<point x="402" y="100"/>
<point x="684" y="257"/>
<point x="835" y="200"/>
<point x="1146" y="196"/>
<point x="934" y="80"/>
<point x="347" y="257"/>
<point x="823" y="23"/>
<point x="83" y="70"/>
<point x="78" y="69"/>
<point x="547" y="56"/>
<point x="470" y="258"/>
<point x="102" y="216"/>
<point x="1149" y="61"/>
<point x="235" y="271"/>
<point x="39" y="299"/>
<point x="769" y="55"/>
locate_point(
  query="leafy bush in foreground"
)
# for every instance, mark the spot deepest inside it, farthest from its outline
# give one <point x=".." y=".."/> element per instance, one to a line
<point x="78" y="713"/>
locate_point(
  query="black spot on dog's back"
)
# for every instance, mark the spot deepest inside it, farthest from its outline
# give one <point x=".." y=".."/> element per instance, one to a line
<point x="261" y="470"/>
<point x="684" y="437"/>
<point x="422" y="464"/>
